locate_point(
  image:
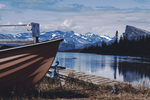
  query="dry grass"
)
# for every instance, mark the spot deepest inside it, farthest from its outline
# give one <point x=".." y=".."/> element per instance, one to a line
<point x="49" y="88"/>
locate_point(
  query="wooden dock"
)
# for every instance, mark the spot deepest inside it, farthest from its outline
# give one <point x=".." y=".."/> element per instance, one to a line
<point x="98" y="80"/>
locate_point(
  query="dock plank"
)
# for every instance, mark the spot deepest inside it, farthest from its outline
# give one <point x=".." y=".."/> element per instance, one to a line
<point x="98" y="80"/>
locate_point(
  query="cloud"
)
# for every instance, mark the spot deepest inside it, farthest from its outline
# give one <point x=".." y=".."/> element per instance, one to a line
<point x="124" y="10"/>
<point x="67" y="25"/>
<point x="33" y="4"/>
<point x="107" y="8"/>
<point x="142" y="1"/>
<point x="75" y="17"/>
<point x="98" y="22"/>
<point x="55" y="5"/>
<point x="9" y="12"/>
<point x="34" y="1"/>
<point x="6" y="10"/>
<point x="42" y="1"/>
<point x="2" y="5"/>
<point x="47" y="5"/>
<point x="20" y="23"/>
<point x="79" y="7"/>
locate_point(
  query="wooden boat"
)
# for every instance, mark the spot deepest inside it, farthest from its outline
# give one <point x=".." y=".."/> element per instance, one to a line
<point x="22" y="67"/>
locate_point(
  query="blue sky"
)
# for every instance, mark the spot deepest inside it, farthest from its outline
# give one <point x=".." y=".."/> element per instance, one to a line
<point x="102" y="17"/>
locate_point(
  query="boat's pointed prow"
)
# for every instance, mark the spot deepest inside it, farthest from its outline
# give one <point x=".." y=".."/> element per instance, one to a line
<point x="22" y="67"/>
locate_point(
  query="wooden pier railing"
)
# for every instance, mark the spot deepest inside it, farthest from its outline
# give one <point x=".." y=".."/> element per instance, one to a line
<point x="35" y="28"/>
<point x="16" y="41"/>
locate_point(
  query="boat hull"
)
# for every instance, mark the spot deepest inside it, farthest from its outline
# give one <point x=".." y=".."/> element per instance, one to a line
<point x="22" y="67"/>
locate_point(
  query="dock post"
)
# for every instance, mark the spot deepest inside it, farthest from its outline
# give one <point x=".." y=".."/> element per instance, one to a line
<point x="36" y="39"/>
<point x="35" y="31"/>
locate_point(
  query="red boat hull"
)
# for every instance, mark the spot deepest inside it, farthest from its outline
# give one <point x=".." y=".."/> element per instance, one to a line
<point x="22" y="67"/>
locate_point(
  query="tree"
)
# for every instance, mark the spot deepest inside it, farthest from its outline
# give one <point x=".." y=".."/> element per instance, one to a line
<point x="116" y="36"/>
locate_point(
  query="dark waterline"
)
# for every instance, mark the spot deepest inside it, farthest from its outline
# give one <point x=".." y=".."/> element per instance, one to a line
<point x="134" y="69"/>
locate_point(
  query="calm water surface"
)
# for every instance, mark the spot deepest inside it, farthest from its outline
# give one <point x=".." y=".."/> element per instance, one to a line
<point x="135" y="70"/>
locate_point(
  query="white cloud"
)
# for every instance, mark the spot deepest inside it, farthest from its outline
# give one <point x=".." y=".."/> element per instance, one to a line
<point x="20" y="23"/>
<point x="2" y="5"/>
<point x="131" y="18"/>
<point x="142" y="1"/>
<point x="68" y="23"/>
<point x="48" y="5"/>
<point x="42" y="1"/>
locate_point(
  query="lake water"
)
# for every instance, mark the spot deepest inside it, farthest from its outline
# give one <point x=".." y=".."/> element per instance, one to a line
<point x="135" y="70"/>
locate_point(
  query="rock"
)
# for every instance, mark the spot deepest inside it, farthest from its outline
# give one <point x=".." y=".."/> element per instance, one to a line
<point x="134" y="33"/>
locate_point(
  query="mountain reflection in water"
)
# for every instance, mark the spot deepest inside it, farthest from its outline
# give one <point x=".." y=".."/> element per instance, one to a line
<point x="135" y="70"/>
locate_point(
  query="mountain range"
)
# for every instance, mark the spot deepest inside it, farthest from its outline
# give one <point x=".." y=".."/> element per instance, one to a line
<point x="74" y="40"/>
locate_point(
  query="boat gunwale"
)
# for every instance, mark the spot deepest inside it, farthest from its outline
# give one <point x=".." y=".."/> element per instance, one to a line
<point x="35" y="44"/>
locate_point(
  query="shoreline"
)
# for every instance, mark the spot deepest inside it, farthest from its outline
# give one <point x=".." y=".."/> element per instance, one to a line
<point x="49" y="89"/>
<point x="79" y="51"/>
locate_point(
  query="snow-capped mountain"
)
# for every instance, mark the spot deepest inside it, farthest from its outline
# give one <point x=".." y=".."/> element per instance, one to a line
<point x="105" y="38"/>
<point x="23" y="36"/>
<point x="77" y="39"/>
<point x="134" y="33"/>
<point x="6" y="36"/>
<point x="72" y="40"/>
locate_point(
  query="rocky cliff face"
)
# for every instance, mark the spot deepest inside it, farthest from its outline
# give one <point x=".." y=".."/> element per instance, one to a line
<point x="134" y="33"/>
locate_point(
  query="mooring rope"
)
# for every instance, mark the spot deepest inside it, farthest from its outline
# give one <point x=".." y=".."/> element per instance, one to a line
<point x="61" y="84"/>
<point x="113" y="91"/>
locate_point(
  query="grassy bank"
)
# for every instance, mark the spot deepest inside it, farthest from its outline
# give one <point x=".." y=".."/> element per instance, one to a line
<point x="49" y="88"/>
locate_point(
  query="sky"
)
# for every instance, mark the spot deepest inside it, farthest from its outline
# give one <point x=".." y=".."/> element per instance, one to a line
<point x="101" y="17"/>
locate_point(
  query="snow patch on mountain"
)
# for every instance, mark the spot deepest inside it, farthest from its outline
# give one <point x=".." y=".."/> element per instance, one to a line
<point x="84" y="37"/>
<point x="53" y="35"/>
<point x="107" y="37"/>
<point x="77" y="34"/>
<point x="89" y="34"/>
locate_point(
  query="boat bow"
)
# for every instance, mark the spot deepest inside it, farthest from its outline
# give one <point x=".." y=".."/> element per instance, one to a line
<point x="22" y="67"/>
